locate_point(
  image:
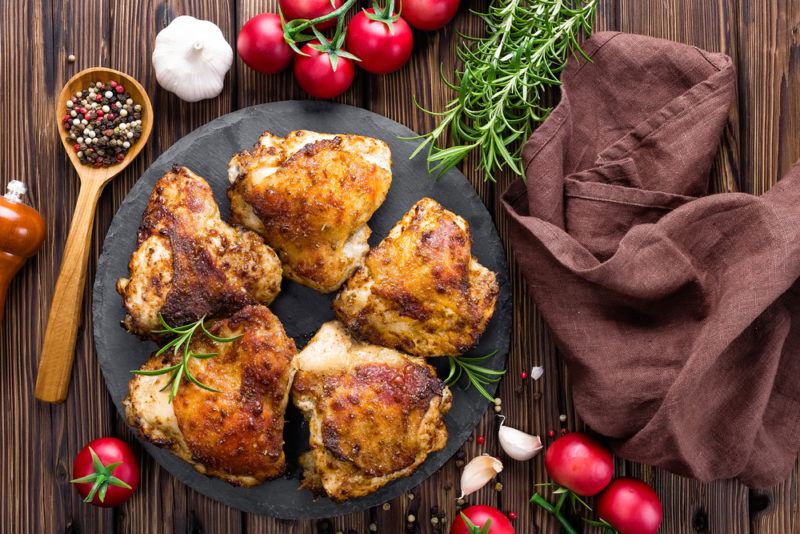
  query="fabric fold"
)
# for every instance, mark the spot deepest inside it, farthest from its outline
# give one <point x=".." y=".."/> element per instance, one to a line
<point x="677" y="312"/>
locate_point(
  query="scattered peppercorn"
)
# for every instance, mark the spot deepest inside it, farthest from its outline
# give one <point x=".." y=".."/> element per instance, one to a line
<point x="100" y="137"/>
<point x="481" y="440"/>
<point x="523" y="375"/>
<point x="498" y="401"/>
<point x="71" y="58"/>
<point x="551" y="433"/>
<point x="387" y="506"/>
<point x="512" y="516"/>
<point x="564" y="431"/>
<point x="498" y="408"/>
<point x="498" y="486"/>
<point x="562" y="417"/>
<point x="411" y="518"/>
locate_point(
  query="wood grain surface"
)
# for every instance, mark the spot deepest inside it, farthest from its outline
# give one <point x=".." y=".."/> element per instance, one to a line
<point x="40" y="440"/>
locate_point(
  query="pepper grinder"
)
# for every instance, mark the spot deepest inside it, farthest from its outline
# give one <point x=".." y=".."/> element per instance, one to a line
<point x="22" y="232"/>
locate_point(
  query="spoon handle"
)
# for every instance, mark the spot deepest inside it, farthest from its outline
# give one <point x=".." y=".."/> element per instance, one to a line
<point x="58" y="349"/>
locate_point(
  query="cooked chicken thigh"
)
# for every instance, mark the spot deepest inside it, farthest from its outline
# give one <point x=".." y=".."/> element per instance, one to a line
<point x="420" y="290"/>
<point x="374" y="414"/>
<point x="189" y="263"/>
<point x="235" y="434"/>
<point x="310" y="196"/>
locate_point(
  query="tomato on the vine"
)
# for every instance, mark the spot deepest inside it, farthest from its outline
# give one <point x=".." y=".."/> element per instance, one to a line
<point x="630" y="506"/>
<point x="310" y="9"/>
<point x="479" y="516"/>
<point x="579" y="463"/>
<point x="429" y="14"/>
<point x="105" y="472"/>
<point x="323" y="74"/>
<point x="382" y="41"/>
<point x="261" y="44"/>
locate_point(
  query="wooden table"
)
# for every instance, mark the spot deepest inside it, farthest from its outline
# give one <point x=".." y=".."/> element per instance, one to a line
<point x="40" y="440"/>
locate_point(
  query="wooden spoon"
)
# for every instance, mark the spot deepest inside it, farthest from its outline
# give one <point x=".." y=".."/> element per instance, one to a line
<point x="58" y="349"/>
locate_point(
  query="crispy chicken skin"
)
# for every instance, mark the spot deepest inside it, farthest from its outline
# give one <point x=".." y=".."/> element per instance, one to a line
<point x="189" y="263"/>
<point x="420" y="290"/>
<point x="374" y="414"/>
<point x="310" y="196"/>
<point x="235" y="434"/>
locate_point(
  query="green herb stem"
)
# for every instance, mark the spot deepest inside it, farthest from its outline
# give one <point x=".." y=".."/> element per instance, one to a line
<point x="555" y="511"/>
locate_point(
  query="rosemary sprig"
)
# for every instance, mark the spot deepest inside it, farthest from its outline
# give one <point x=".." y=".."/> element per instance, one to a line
<point x="180" y="343"/>
<point x="477" y="376"/>
<point x="502" y="80"/>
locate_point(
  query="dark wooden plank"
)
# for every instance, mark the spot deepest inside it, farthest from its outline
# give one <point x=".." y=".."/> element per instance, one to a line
<point x="38" y="438"/>
<point x="689" y="505"/>
<point x="770" y="108"/>
<point x="163" y="504"/>
<point x="28" y="462"/>
<point x="69" y="429"/>
<point x="256" y="88"/>
<point x="535" y="407"/>
<point x="392" y="95"/>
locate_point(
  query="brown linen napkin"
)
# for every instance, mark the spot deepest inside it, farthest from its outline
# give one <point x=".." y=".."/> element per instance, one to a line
<point x="678" y="316"/>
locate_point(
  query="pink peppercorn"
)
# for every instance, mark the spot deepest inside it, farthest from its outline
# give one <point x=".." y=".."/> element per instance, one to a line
<point x="481" y="440"/>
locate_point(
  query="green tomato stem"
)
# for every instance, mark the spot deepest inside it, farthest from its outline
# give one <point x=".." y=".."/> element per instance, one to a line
<point x="336" y="13"/>
<point x="555" y="511"/>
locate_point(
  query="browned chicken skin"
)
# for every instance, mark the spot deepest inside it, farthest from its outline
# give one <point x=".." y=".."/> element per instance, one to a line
<point x="310" y="196"/>
<point x="235" y="434"/>
<point x="374" y="414"/>
<point x="420" y="290"/>
<point x="189" y="263"/>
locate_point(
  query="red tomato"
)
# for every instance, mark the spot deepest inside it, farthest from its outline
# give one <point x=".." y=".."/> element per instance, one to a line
<point x="380" y="49"/>
<point x="429" y="14"/>
<point x="309" y="9"/>
<point x="261" y="44"/>
<point x="579" y="463"/>
<point x="479" y="515"/>
<point x="631" y="506"/>
<point x="315" y="75"/>
<point x="107" y="470"/>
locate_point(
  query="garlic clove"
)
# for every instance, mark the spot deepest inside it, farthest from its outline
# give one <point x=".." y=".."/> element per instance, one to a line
<point x="536" y="373"/>
<point x="517" y="444"/>
<point x="478" y="472"/>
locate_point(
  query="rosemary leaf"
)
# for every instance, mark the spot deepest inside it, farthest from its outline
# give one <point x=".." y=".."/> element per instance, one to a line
<point x="476" y="375"/>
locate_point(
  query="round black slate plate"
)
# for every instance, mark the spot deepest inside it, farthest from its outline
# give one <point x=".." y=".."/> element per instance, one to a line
<point x="206" y="151"/>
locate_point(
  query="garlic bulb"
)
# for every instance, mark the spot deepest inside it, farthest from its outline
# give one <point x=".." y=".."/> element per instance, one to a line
<point x="191" y="58"/>
<point x="517" y="444"/>
<point x="478" y="472"/>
